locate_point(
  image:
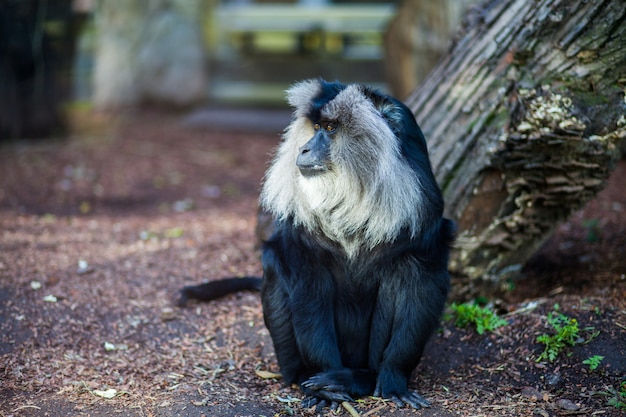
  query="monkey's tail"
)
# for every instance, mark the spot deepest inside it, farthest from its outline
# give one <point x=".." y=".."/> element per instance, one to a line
<point x="217" y="289"/>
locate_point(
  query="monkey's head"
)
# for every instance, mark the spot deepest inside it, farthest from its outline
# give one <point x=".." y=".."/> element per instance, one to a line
<point x="353" y="165"/>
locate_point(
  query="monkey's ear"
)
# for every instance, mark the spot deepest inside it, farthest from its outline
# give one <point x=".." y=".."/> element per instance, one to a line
<point x="398" y="116"/>
<point x="391" y="111"/>
<point x="300" y="95"/>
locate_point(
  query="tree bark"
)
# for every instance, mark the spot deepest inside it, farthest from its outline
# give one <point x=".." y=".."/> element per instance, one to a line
<point x="523" y="117"/>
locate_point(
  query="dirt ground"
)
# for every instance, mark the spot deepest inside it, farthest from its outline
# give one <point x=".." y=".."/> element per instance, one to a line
<point x="100" y="230"/>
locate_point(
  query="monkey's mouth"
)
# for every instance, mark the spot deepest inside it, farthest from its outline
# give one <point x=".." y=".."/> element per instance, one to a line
<point x="312" y="170"/>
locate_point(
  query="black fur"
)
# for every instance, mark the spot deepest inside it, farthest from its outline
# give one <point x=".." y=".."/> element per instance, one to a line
<point x="329" y="91"/>
<point x="348" y="324"/>
<point x="217" y="289"/>
<point x="371" y="316"/>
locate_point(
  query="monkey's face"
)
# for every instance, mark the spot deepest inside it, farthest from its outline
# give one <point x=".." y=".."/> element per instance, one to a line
<point x="339" y="131"/>
<point x="314" y="156"/>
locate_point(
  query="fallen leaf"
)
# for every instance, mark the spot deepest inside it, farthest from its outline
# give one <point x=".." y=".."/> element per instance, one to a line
<point x="532" y="394"/>
<point x="346" y="405"/>
<point x="83" y="267"/>
<point x="108" y="394"/>
<point x="288" y="400"/>
<point x="84" y="207"/>
<point x="50" y="298"/>
<point x="266" y="374"/>
<point x="167" y="314"/>
<point x="567" y="405"/>
<point x="174" y="232"/>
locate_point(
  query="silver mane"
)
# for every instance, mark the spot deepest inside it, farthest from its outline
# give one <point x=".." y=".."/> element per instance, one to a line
<point x="369" y="195"/>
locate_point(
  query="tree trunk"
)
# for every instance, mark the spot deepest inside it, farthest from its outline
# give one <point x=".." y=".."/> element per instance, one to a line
<point x="149" y="51"/>
<point x="523" y="119"/>
<point x="35" y="67"/>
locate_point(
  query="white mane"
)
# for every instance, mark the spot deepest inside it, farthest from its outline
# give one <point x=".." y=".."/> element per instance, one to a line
<point x="369" y="195"/>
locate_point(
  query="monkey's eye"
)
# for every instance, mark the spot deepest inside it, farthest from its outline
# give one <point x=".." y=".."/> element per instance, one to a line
<point x="330" y="127"/>
<point x="317" y="126"/>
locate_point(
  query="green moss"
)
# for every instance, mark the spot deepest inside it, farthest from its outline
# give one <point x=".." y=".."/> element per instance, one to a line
<point x="497" y="118"/>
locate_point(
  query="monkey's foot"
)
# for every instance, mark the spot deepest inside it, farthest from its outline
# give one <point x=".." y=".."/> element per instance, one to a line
<point x="409" y="398"/>
<point x="329" y="393"/>
<point x="319" y="404"/>
<point x="322" y="390"/>
<point x="323" y="398"/>
<point x="352" y="382"/>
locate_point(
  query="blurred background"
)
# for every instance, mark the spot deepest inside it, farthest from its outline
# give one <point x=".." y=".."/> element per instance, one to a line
<point x="62" y="56"/>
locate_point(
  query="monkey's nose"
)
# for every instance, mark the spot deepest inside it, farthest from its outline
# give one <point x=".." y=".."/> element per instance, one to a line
<point x="314" y="155"/>
<point x="311" y="162"/>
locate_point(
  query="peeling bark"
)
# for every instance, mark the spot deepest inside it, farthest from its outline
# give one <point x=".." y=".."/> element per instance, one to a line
<point x="523" y="118"/>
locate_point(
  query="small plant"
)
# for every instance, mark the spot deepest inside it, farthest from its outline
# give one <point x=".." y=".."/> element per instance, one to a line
<point x="593" y="361"/>
<point x="567" y="334"/>
<point x="484" y="318"/>
<point x="619" y="397"/>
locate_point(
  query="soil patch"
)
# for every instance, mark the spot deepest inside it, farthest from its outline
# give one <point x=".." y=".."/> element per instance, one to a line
<point x="100" y="230"/>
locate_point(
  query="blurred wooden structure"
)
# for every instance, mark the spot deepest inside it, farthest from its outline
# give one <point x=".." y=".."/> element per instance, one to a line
<point x="416" y="38"/>
<point x="260" y="49"/>
<point x="148" y="52"/>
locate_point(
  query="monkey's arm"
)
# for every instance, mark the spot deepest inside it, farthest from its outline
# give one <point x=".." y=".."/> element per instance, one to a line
<point x="278" y="320"/>
<point x="216" y="289"/>
<point x="416" y="295"/>
<point x="298" y="310"/>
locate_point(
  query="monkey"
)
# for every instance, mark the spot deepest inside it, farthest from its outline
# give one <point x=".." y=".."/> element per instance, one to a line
<point x="355" y="274"/>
